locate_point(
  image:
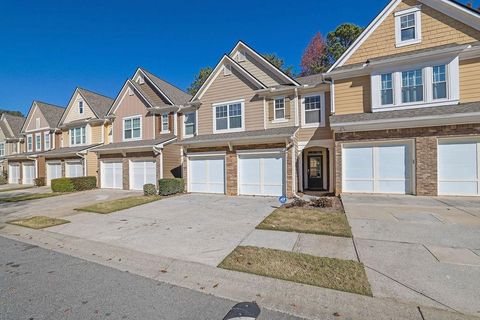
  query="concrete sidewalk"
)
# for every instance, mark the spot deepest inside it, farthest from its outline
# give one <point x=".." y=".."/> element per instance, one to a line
<point x="291" y="298"/>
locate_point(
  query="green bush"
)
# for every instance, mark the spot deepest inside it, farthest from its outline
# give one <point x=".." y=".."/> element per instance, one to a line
<point x="149" y="189"/>
<point x="73" y="184"/>
<point x="3" y="179"/>
<point x="170" y="186"/>
<point x="39" y="182"/>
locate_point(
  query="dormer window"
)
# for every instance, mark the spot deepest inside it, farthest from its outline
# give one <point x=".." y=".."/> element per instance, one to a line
<point x="80" y="107"/>
<point x="165" y="123"/>
<point x="279" y="113"/>
<point x="408" y="27"/>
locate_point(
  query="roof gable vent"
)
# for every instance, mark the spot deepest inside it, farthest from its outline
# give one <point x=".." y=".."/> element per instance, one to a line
<point x="140" y="80"/>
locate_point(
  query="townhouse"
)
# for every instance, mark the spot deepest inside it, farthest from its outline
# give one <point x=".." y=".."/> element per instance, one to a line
<point x="406" y="110"/>
<point x="10" y="139"/>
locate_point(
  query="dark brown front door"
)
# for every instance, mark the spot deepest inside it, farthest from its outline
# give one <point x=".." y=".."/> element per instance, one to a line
<point x="315" y="172"/>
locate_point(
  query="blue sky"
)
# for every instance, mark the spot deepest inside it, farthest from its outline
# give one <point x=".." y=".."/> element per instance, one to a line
<point x="49" y="47"/>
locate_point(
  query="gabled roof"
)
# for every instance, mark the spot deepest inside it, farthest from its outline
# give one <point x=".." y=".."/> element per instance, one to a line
<point x="449" y="7"/>
<point x="51" y="112"/>
<point x="11" y="125"/>
<point x="98" y="102"/>
<point x="310" y="80"/>
<point x="171" y="92"/>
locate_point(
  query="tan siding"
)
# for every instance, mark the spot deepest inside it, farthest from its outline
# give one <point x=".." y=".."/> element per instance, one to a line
<point x="172" y="161"/>
<point x="229" y="88"/>
<point x="260" y="72"/>
<point x="74" y="114"/>
<point x="353" y="95"/>
<point x="470" y="80"/>
<point x="66" y="140"/>
<point x="31" y="121"/>
<point x="96" y="134"/>
<point x="437" y="29"/>
<point x="92" y="164"/>
<point x="321" y="133"/>
<point x="106" y="135"/>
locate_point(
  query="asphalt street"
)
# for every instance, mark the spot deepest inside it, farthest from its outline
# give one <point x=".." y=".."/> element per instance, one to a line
<point x="36" y="283"/>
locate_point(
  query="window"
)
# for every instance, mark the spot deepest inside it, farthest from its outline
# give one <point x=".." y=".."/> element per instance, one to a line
<point x="387" y="89"/>
<point x="80" y="107"/>
<point x="279" y="108"/>
<point x="313" y="108"/>
<point x="29" y="143"/>
<point x="132" y="128"/>
<point x="228" y="116"/>
<point x="46" y="140"/>
<point x="38" y="142"/>
<point x="165" y="122"/>
<point x="14" y="148"/>
<point x="190" y="124"/>
<point x="37" y="123"/>
<point x="412" y="86"/>
<point x="408" y="26"/>
<point x="439" y="82"/>
<point x="77" y="136"/>
<point x="2" y="149"/>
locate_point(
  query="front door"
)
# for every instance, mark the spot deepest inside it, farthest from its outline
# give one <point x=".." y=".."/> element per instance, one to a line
<point x="315" y="172"/>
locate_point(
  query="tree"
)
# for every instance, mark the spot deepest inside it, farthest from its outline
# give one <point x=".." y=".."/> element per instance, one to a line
<point x="200" y="78"/>
<point x="13" y="113"/>
<point x="314" y="59"/>
<point x="278" y="62"/>
<point x="340" y="39"/>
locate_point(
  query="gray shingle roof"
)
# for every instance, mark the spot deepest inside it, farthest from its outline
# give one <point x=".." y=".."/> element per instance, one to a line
<point x="68" y="151"/>
<point x="99" y="103"/>
<point x="408" y="113"/>
<point x="243" y="135"/>
<point x="52" y="113"/>
<point x="310" y="80"/>
<point x="134" y="144"/>
<point x="15" y="123"/>
<point x="176" y="95"/>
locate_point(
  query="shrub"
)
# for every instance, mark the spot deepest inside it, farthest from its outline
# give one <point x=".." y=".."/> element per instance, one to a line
<point x="3" y="179"/>
<point x="170" y="186"/>
<point x="149" y="189"/>
<point x="73" y="184"/>
<point x="39" y="182"/>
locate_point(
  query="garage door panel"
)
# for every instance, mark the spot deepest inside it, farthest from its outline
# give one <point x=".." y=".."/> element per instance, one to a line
<point x="393" y="186"/>
<point x="358" y="163"/>
<point x="74" y="169"/>
<point x="261" y="175"/>
<point x="13" y="173"/>
<point x="393" y="162"/>
<point x="112" y="175"/>
<point x="358" y="186"/>
<point x="28" y="173"/>
<point x="54" y="171"/>
<point x="207" y="174"/>
<point x="142" y="172"/>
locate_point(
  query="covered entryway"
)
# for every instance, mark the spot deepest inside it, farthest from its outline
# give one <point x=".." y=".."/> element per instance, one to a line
<point x="28" y="173"/>
<point x="54" y="171"/>
<point x="377" y="168"/>
<point x="261" y="174"/>
<point x="13" y="173"/>
<point x="111" y="175"/>
<point x="459" y="167"/>
<point x="142" y="172"/>
<point x="206" y="174"/>
<point x="74" y="169"/>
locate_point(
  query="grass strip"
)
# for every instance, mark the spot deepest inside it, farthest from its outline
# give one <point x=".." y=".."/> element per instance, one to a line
<point x="119" y="204"/>
<point x="38" y="222"/>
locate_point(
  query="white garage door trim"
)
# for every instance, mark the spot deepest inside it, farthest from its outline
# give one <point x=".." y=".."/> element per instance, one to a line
<point x="375" y="180"/>
<point x="209" y="167"/>
<point x="117" y="179"/>
<point x="458" y="166"/>
<point x="57" y="171"/>
<point x="28" y="178"/>
<point x="147" y="176"/>
<point x="74" y="169"/>
<point x="258" y="187"/>
<point x="16" y="167"/>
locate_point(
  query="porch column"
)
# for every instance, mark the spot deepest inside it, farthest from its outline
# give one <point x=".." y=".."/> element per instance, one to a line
<point x="300" y="170"/>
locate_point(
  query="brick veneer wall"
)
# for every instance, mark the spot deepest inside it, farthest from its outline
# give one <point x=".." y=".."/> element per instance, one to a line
<point x="425" y="140"/>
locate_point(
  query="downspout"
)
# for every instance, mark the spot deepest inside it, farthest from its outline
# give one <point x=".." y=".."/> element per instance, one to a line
<point x="332" y="95"/>
<point x="157" y="152"/>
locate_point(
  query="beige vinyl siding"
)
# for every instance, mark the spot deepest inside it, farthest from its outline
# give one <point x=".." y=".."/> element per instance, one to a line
<point x="66" y="140"/>
<point x="172" y="159"/>
<point x="92" y="164"/>
<point x="353" y="95"/>
<point x="437" y="29"/>
<point x="230" y="88"/>
<point x="260" y="72"/>
<point x="289" y="113"/>
<point x="96" y="134"/>
<point x="470" y="80"/>
<point x="73" y="113"/>
<point x="320" y="133"/>
<point x="31" y="121"/>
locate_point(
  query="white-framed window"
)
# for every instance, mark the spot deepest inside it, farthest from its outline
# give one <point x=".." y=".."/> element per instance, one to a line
<point x="29" y="143"/>
<point x="38" y="141"/>
<point x="132" y="128"/>
<point x="2" y="149"/>
<point x="14" y="147"/>
<point x="313" y="110"/>
<point x="46" y="141"/>
<point x="37" y="123"/>
<point x="80" y="107"/>
<point x="279" y="109"/>
<point x="421" y="85"/>
<point x="408" y="27"/>
<point x="78" y="136"/>
<point x="228" y="116"/>
<point x="165" y="123"/>
<point x="190" y="124"/>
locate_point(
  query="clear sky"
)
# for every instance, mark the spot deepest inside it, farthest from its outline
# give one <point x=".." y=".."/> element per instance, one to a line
<point x="49" y="47"/>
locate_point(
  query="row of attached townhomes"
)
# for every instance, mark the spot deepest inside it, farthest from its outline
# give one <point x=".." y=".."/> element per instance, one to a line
<point x="398" y="113"/>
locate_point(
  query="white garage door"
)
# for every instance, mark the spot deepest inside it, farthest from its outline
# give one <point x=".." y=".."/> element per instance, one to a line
<point x="459" y="167"/>
<point x="261" y="175"/>
<point x="28" y="173"/>
<point x="74" y="169"/>
<point x="206" y="174"/>
<point x="142" y="172"/>
<point x="111" y="175"/>
<point x="54" y="171"/>
<point x="383" y="168"/>
<point x="13" y="173"/>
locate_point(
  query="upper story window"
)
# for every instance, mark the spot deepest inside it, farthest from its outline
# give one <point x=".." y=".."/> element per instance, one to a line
<point x="80" y="107"/>
<point x="78" y="136"/>
<point x="408" y="28"/>
<point x="412" y="86"/>
<point x="14" y="148"/>
<point x="190" y="124"/>
<point x="313" y="109"/>
<point x="38" y="142"/>
<point x="165" y="123"/>
<point x="439" y="82"/>
<point x="387" y="89"/>
<point x="2" y="149"/>
<point x="279" y="106"/>
<point x="29" y="143"/>
<point x="46" y="141"/>
<point x="132" y="128"/>
<point x="228" y="116"/>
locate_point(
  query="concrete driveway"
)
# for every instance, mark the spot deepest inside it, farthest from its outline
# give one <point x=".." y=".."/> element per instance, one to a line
<point x="194" y="227"/>
<point x="419" y="249"/>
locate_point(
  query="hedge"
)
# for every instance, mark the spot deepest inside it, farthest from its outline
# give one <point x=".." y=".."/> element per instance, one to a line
<point x="73" y="184"/>
<point x="39" y="182"/>
<point x="3" y="179"/>
<point x="170" y="186"/>
<point x="149" y="189"/>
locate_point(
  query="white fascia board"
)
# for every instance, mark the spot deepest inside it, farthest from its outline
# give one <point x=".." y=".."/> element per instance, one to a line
<point x="455" y="11"/>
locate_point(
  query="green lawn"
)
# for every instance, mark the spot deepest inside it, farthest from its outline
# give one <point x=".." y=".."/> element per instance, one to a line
<point x="38" y="222"/>
<point x="32" y="196"/>
<point x="16" y="188"/>
<point x="343" y="275"/>
<point x="307" y="221"/>
<point x="119" y="204"/>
